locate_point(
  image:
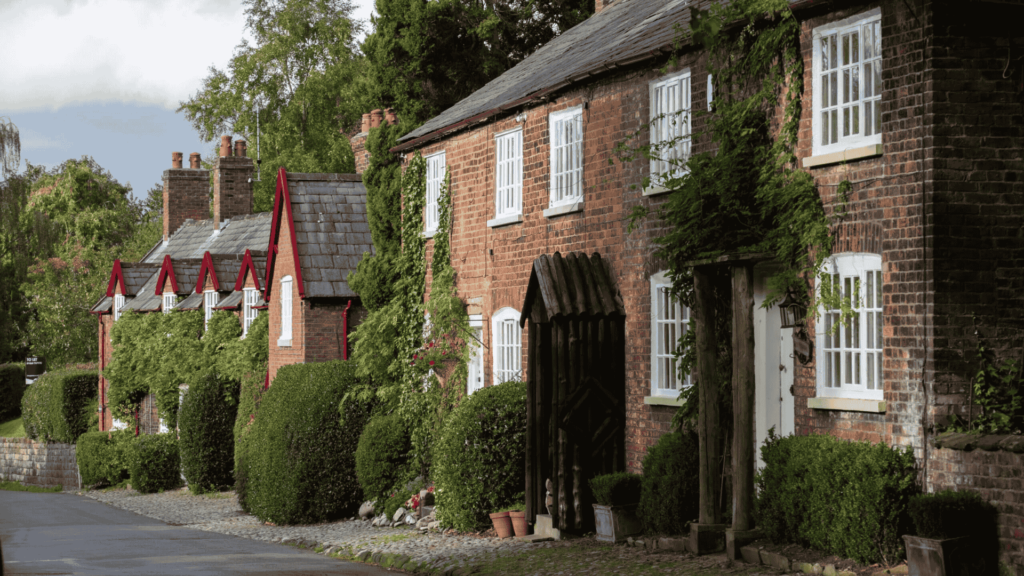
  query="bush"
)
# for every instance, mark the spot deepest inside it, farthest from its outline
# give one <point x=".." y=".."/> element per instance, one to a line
<point x="298" y="460"/>
<point x="480" y="460"/>
<point x="56" y="407"/>
<point x="950" y="514"/>
<point x="382" y="457"/>
<point x="616" y="489"/>
<point x="670" y="488"/>
<point x="250" y="394"/>
<point x="12" y="388"/>
<point x="206" y="421"/>
<point x="153" y="462"/>
<point x="103" y="457"/>
<point x="845" y="498"/>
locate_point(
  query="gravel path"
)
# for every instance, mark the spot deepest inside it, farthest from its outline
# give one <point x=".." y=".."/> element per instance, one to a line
<point x="407" y="547"/>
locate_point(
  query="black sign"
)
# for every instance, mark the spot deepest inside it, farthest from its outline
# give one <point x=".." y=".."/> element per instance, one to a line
<point x="35" y="366"/>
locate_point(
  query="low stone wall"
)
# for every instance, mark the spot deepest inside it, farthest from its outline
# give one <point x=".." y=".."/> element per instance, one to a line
<point x="992" y="466"/>
<point x="39" y="464"/>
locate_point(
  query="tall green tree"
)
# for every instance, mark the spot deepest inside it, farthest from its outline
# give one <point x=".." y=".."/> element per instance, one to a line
<point x="301" y="71"/>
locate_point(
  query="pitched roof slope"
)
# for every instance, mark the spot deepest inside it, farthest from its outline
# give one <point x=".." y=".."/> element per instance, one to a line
<point x="625" y="32"/>
<point x="195" y="237"/>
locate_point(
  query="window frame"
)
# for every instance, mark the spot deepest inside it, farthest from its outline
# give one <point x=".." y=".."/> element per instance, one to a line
<point x="432" y="206"/>
<point x="661" y="167"/>
<point x="554" y="118"/>
<point x="476" y="355"/>
<point x="169" y="297"/>
<point x="659" y="282"/>
<point x="285" y="338"/>
<point x="210" y="298"/>
<point x="119" y="302"/>
<point x="249" y="313"/>
<point x="500" y="319"/>
<point x="515" y="172"/>
<point x="837" y="29"/>
<point x="870" y="351"/>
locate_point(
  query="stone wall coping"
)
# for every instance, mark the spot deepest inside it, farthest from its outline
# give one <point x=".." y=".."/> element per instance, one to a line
<point x="988" y="442"/>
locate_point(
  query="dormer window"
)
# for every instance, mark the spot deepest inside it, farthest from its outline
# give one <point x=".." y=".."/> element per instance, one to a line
<point x="209" y="301"/>
<point x="170" y="301"/>
<point x="118" y="304"/>
<point x="249" y="310"/>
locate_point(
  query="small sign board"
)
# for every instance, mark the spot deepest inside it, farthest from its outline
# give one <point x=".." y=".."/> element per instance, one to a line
<point x="35" y="366"/>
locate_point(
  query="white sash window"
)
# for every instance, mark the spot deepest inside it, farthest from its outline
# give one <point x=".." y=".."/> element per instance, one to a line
<point x="509" y="177"/>
<point x="118" y="304"/>
<point x="286" y="312"/>
<point x="170" y="301"/>
<point x="435" y="177"/>
<point x="669" y="322"/>
<point x="209" y="301"/>
<point x="476" y="359"/>
<point x="566" y="131"/>
<point x="670" y="126"/>
<point x="508" y="351"/>
<point x="249" y="312"/>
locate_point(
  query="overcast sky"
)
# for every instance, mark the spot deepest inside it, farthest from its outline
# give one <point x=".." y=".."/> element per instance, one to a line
<point x="103" y="78"/>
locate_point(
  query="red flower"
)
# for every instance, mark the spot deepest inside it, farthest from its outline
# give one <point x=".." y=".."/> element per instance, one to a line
<point x="431" y="362"/>
<point x="443" y="352"/>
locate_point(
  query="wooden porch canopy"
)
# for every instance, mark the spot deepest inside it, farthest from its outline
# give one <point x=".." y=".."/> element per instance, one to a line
<point x="576" y="384"/>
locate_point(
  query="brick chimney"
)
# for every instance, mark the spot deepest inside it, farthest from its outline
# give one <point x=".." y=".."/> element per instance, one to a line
<point x="376" y="117"/>
<point x="186" y="194"/>
<point x="601" y="4"/>
<point x="232" y="182"/>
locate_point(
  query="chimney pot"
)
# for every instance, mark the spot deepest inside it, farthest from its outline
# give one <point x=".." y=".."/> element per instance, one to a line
<point x="391" y="116"/>
<point x="375" y="118"/>
<point x="193" y="161"/>
<point x="240" y="148"/>
<point x="366" y="123"/>
<point x="175" y="160"/>
<point x="225" y="146"/>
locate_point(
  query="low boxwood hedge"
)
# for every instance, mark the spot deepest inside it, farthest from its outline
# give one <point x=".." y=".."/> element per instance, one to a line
<point x="616" y="489"/>
<point x="153" y="462"/>
<point x="845" y="498"/>
<point x="480" y="461"/>
<point x="298" y="461"/>
<point x="12" y="388"/>
<point x="206" y="422"/>
<point x="670" y="488"/>
<point x="103" y="457"/>
<point x="56" y="408"/>
<point x="382" y="457"/>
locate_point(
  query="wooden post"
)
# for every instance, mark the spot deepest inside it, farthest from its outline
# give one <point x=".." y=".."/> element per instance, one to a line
<point x="707" y="379"/>
<point x="743" y="397"/>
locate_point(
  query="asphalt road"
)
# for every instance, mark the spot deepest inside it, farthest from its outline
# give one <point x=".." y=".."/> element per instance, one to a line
<point x="68" y="534"/>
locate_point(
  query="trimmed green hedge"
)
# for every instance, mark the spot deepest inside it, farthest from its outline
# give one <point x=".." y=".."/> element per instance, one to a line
<point x="56" y="407"/>
<point x="382" y="458"/>
<point x="153" y="462"/>
<point x="616" y="488"/>
<point x="12" y="388"/>
<point x="206" y="421"/>
<point x="298" y="461"/>
<point x="480" y="460"/>
<point x="103" y="457"/>
<point x="845" y="498"/>
<point x="670" y="488"/>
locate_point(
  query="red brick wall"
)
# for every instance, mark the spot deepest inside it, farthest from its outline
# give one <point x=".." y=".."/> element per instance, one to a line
<point x="106" y="356"/>
<point x="284" y="265"/>
<point x="232" y="191"/>
<point x="186" y="195"/>
<point x="358" y="143"/>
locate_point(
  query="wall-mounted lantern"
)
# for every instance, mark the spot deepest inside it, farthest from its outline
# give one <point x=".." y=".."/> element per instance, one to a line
<point x="793" y="312"/>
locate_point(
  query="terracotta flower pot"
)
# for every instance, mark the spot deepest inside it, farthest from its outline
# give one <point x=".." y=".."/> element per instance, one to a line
<point x="502" y="524"/>
<point x="519" y="523"/>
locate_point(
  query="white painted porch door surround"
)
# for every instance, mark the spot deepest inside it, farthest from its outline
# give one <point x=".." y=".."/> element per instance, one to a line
<point x="476" y="359"/>
<point x="773" y="368"/>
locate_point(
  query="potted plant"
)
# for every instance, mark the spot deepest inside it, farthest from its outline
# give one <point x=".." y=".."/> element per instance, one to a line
<point x="517" y="515"/>
<point x="502" y="524"/>
<point x="950" y="530"/>
<point x="618" y="496"/>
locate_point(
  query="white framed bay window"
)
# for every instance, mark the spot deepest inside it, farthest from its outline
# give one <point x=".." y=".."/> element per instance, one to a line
<point x="670" y="126"/>
<point x="286" y="312"/>
<point x="669" y="322"/>
<point x="210" y="298"/>
<point x="847" y="90"/>
<point x="566" y="136"/>
<point x="850" y="356"/>
<point x="509" y="174"/>
<point x="435" y="179"/>
<point x="506" y="337"/>
<point x="249" y="311"/>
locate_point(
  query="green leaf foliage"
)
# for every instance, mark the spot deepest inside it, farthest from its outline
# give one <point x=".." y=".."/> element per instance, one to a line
<point x="845" y="498"/>
<point x="103" y="457"/>
<point x="382" y="456"/>
<point x="206" y="441"/>
<point x="997" y="392"/>
<point x="480" y="459"/>
<point x="56" y="407"/>
<point x="670" y="490"/>
<point x="299" y="460"/>
<point x="153" y="462"/>
<point x="616" y="488"/>
<point x="12" y="388"/>
<point x="951" y="514"/>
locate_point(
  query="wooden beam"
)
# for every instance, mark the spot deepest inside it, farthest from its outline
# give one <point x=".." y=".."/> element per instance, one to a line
<point x="743" y="397"/>
<point x="707" y="380"/>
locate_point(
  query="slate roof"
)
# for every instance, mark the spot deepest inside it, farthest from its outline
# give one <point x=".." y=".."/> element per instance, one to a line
<point x="186" y="272"/>
<point x="102" y="306"/>
<point x="226" y="267"/>
<point x="331" y="230"/>
<point x="624" y="33"/>
<point x="193" y="302"/>
<point x="146" y="299"/>
<point x="195" y="237"/>
<point x="136" y="275"/>
<point x="232" y="302"/>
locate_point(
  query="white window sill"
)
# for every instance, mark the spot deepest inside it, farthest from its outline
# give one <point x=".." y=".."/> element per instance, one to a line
<point x="662" y="401"/>
<point x="656" y="190"/>
<point x="505" y="220"/>
<point x="564" y="209"/>
<point x="843" y="156"/>
<point x="284" y="343"/>
<point x="847" y="404"/>
<point x="428" y="233"/>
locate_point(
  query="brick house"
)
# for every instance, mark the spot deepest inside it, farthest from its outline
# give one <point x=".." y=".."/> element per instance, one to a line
<point x="931" y="140"/>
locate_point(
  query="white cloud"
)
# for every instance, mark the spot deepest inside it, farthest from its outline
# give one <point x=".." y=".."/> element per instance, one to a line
<point x="62" y="52"/>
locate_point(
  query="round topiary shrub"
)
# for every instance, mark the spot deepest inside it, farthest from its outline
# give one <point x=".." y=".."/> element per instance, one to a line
<point x="153" y="462"/>
<point x="382" y="456"/>
<point x="299" y="461"/>
<point x="102" y="458"/>
<point x="670" y="489"/>
<point x="480" y="461"/>
<point x="206" y="423"/>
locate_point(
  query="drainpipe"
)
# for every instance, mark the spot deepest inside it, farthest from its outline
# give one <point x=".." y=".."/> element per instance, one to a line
<point x="344" y="331"/>
<point x="103" y="341"/>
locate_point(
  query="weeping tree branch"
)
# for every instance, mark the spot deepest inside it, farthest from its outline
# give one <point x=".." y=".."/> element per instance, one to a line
<point x="10" y="148"/>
